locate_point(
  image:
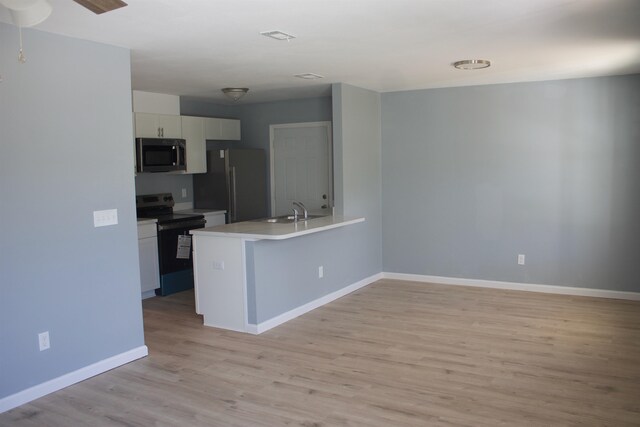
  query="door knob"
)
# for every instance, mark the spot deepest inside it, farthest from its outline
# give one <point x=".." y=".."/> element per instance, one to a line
<point x="324" y="196"/>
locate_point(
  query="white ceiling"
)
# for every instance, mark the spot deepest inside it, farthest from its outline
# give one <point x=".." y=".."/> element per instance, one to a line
<point x="197" y="47"/>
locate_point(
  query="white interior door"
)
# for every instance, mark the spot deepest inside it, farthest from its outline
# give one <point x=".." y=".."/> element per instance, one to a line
<point x="301" y="167"/>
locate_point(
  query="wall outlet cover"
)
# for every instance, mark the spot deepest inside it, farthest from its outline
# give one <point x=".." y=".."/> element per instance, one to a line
<point x="43" y="341"/>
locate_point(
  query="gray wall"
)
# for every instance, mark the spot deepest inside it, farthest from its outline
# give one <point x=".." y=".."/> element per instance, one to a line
<point x="65" y="120"/>
<point x="474" y="176"/>
<point x="357" y="166"/>
<point x="283" y="275"/>
<point x="151" y="183"/>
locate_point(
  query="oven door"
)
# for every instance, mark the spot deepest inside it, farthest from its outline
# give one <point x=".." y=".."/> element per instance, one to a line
<point x="175" y="255"/>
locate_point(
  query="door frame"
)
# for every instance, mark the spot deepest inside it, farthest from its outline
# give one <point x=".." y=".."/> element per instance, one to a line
<point x="327" y="125"/>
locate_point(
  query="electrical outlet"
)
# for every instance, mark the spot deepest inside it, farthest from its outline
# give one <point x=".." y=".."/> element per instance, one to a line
<point x="320" y="272"/>
<point x="184" y="193"/>
<point x="521" y="259"/>
<point x="218" y="265"/>
<point x="43" y="341"/>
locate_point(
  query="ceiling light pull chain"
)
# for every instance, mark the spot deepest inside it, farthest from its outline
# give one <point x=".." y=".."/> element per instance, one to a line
<point x="21" y="58"/>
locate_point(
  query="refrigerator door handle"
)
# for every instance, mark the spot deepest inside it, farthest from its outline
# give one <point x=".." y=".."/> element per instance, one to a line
<point x="233" y="215"/>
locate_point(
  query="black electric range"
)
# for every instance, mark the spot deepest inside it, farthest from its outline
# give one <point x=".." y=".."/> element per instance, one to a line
<point x="175" y="253"/>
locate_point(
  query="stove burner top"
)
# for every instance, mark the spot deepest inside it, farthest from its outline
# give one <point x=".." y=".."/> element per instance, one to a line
<point x="171" y="218"/>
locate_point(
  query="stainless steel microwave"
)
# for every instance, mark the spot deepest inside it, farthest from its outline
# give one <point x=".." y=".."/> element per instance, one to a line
<point x="160" y="155"/>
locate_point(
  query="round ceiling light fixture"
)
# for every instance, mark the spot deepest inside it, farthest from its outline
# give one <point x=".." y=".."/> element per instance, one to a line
<point x="235" y="93"/>
<point x="472" y="64"/>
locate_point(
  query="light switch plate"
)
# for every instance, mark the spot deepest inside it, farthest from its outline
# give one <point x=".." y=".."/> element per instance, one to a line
<point x="104" y="218"/>
<point x="222" y="154"/>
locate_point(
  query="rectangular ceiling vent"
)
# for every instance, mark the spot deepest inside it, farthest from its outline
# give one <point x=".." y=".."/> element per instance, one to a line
<point x="278" y="35"/>
<point x="309" y="76"/>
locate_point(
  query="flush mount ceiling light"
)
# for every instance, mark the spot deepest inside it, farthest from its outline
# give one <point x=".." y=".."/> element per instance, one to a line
<point x="235" y="93"/>
<point x="308" y="76"/>
<point x="472" y="64"/>
<point x="278" y="35"/>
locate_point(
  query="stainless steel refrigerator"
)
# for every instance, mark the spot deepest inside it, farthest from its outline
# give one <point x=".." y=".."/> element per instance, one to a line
<point x="235" y="181"/>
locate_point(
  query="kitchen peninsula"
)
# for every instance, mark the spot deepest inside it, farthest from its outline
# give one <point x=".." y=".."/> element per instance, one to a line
<point x="252" y="276"/>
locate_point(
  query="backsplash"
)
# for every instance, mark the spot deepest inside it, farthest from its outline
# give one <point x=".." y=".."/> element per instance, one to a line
<point x="151" y="183"/>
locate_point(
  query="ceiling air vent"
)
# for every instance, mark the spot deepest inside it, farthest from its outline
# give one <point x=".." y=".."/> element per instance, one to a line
<point x="278" y="35"/>
<point x="309" y="76"/>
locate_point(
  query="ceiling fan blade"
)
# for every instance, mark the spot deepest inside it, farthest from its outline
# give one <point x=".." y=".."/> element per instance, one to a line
<point x="101" y="6"/>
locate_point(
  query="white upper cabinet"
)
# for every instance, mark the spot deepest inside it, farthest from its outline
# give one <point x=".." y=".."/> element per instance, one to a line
<point x="193" y="132"/>
<point x="222" y="129"/>
<point x="158" y="126"/>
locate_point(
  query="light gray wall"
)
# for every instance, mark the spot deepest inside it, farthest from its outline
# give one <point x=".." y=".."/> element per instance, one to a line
<point x="190" y="106"/>
<point x="283" y="274"/>
<point x="474" y="176"/>
<point x="65" y="120"/>
<point x="152" y="183"/>
<point x="357" y="165"/>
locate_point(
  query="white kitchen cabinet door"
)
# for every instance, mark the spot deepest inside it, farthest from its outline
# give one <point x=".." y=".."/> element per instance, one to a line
<point x="193" y="133"/>
<point x="222" y="129"/>
<point x="158" y="126"/>
<point x="212" y="128"/>
<point x="149" y="270"/>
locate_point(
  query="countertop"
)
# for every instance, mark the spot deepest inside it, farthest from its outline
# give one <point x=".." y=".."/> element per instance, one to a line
<point x="143" y="221"/>
<point x="200" y="211"/>
<point x="256" y="230"/>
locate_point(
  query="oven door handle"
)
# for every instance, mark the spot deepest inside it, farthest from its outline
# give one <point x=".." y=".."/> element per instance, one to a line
<point x="196" y="223"/>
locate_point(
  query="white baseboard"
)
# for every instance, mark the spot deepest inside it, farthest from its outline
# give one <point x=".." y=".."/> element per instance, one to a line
<point x="148" y="294"/>
<point x="298" y="311"/>
<point x="529" y="287"/>
<point x="71" y="378"/>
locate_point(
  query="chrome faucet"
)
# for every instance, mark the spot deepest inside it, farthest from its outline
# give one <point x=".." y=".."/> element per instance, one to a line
<point x="295" y="214"/>
<point x="301" y="206"/>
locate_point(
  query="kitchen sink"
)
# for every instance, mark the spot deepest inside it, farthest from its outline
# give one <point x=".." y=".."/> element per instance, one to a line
<point x="288" y="219"/>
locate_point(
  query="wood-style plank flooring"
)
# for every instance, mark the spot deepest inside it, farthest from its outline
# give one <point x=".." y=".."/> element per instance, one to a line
<point x="391" y="354"/>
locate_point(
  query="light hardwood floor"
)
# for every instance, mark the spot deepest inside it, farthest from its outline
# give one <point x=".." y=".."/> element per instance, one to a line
<point x="391" y="354"/>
